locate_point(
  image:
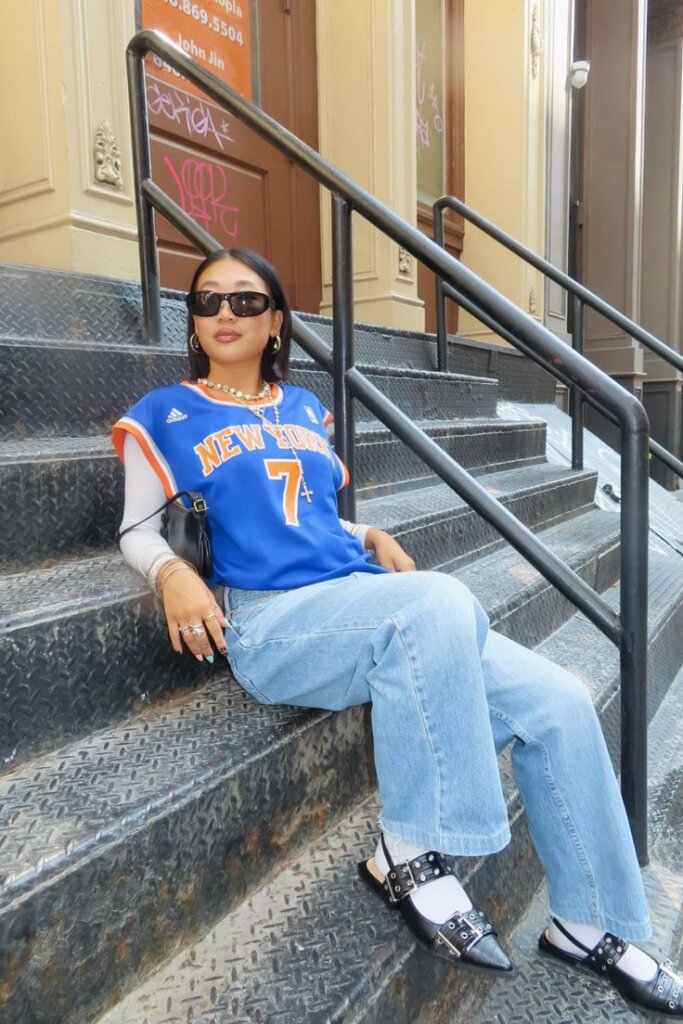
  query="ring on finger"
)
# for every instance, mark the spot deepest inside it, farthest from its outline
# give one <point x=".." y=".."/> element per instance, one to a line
<point x="192" y="629"/>
<point x="210" y="618"/>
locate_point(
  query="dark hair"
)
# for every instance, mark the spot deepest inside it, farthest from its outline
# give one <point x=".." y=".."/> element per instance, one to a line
<point x="274" y="365"/>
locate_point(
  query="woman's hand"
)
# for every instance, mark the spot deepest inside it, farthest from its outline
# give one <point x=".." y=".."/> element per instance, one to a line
<point x="188" y="602"/>
<point x="388" y="552"/>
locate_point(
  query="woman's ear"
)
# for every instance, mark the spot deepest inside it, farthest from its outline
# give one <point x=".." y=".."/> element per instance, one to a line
<point x="276" y="322"/>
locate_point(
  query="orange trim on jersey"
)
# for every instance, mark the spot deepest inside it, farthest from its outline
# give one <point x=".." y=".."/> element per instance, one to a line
<point x="124" y="426"/>
<point x="328" y="418"/>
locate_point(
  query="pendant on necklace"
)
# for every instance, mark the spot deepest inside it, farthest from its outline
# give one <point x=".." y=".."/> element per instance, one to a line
<point x="307" y="493"/>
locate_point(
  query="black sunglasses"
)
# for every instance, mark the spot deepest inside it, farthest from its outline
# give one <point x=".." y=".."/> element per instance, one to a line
<point x="241" y="303"/>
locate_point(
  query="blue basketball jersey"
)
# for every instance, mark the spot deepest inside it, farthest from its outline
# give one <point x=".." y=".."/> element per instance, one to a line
<point x="265" y="534"/>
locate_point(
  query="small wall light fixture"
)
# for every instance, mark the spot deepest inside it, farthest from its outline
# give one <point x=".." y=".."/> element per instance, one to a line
<point x="578" y="73"/>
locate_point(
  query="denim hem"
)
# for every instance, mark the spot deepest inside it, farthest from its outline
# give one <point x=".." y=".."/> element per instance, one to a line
<point x="632" y="932"/>
<point x="448" y="842"/>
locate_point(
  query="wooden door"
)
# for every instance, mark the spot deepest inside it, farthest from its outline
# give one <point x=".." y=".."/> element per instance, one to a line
<point x="240" y="189"/>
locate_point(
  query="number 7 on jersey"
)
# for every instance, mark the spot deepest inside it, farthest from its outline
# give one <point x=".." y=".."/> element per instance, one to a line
<point x="291" y="471"/>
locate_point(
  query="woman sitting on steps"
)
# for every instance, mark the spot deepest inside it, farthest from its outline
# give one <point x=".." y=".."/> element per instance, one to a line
<point x="311" y="620"/>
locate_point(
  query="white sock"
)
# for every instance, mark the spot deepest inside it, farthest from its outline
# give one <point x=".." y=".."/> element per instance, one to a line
<point x="635" y="961"/>
<point x="436" y="900"/>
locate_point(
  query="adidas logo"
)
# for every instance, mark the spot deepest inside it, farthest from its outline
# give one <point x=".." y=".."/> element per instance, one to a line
<point x="175" y="415"/>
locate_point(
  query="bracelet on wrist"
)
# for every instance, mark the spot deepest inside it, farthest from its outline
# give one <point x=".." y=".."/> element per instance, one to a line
<point x="176" y="566"/>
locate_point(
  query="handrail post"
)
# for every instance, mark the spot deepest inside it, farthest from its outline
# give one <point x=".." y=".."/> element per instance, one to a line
<point x="633" y="649"/>
<point x="142" y="170"/>
<point x="441" y="333"/>
<point x="575" y="397"/>
<point x="342" y="354"/>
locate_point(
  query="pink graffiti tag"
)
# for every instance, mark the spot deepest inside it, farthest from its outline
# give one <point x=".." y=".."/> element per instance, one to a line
<point x="203" y="188"/>
<point x="180" y="108"/>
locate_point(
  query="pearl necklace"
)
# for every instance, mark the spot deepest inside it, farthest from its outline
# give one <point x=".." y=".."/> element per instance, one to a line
<point x="241" y="395"/>
<point x="269" y="427"/>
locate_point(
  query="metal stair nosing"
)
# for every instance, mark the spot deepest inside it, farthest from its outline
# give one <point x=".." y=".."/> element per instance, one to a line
<point x="129" y="855"/>
<point x="359" y="963"/>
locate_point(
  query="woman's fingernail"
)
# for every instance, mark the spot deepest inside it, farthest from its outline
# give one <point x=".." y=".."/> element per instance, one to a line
<point x="223" y="651"/>
<point x="209" y="658"/>
<point x="199" y="657"/>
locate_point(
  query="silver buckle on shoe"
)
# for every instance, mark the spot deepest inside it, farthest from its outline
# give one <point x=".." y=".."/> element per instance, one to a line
<point x="443" y="940"/>
<point x="393" y="898"/>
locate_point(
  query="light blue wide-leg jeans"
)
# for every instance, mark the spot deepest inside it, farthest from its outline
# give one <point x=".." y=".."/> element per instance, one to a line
<point x="447" y="695"/>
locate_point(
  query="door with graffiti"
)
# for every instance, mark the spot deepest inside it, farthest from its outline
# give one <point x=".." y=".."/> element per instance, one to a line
<point x="223" y="175"/>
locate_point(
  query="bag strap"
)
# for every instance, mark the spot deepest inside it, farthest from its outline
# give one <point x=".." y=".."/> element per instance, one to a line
<point x="193" y="496"/>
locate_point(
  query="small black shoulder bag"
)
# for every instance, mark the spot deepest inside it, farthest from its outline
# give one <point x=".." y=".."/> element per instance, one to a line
<point x="185" y="529"/>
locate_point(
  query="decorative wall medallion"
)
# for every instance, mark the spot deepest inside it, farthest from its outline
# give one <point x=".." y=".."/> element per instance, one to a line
<point x="533" y="305"/>
<point x="107" y="157"/>
<point x="536" y="41"/>
<point x="404" y="260"/>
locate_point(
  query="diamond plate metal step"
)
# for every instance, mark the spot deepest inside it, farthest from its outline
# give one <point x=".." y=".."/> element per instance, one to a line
<point x="385" y="465"/>
<point x="70" y="388"/>
<point x="441" y="531"/>
<point x="63" y="495"/>
<point x="63" y="305"/>
<point x="311" y="945"/>
<point x="520" y="602"/>
<point x="83" y="642"/>
<point x="155" y="827"/>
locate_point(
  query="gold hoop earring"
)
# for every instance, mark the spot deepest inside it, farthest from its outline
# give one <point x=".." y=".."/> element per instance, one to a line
<point x="275" y="344"/>
<point x="194" y="344"/>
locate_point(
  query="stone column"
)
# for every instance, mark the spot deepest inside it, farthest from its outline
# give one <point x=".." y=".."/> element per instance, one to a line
<point x="66" y="190"/>
<point x="366" y="91"/>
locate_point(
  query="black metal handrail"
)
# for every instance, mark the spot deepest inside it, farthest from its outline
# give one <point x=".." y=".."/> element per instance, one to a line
<point x="628" y="630"/>
<point x="581" y="296"/>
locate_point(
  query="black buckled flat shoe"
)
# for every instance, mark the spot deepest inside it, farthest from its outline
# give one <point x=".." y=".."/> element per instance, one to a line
<point x="466" y="939"/>
<point x="661" y="996"/>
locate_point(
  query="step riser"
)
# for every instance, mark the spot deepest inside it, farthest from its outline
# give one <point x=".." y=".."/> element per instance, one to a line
<point x="66" y="390"/>
<point x="543" y="609"/>
<point x="75" y="947"/>
<point x="73" y="506"/>
<point x="57" y="508"/>
<point x="455" y="540"/>
<point x="421" y="398"/>
<point x="82" y="671"/>
<point x="387" y="466"/>
<point x="49" y="697"/>
<point x="664" y="661"/>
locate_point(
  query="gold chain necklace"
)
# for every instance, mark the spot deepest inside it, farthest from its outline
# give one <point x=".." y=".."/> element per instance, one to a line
<point x="244" y="398"/>
<point x="235" y="392"/>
